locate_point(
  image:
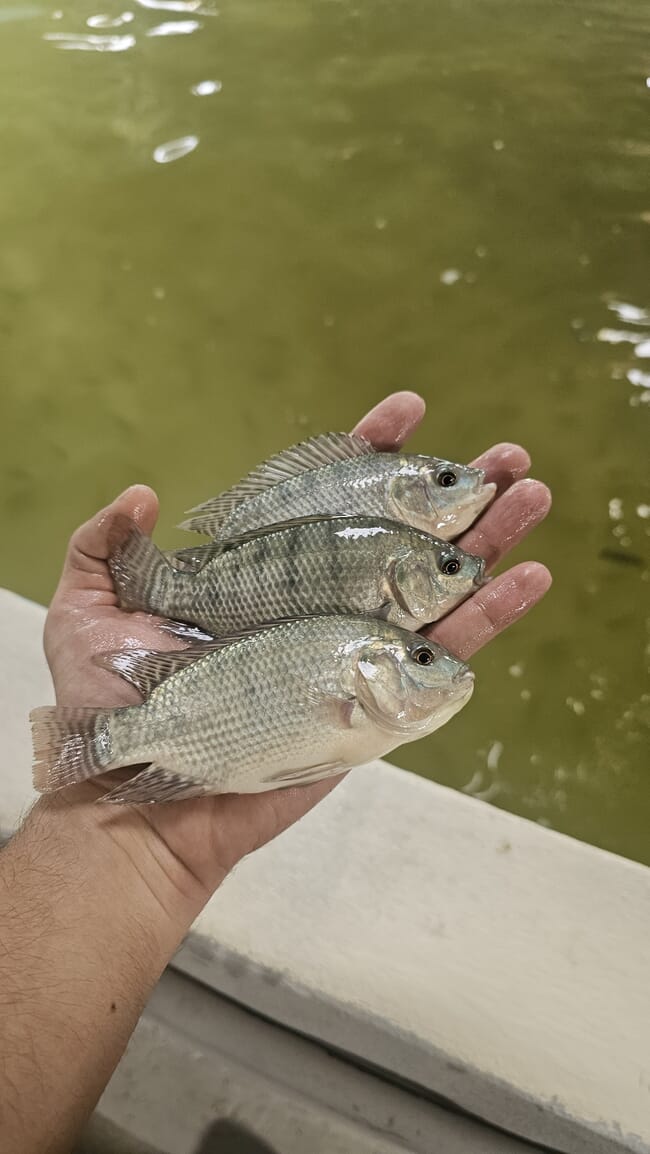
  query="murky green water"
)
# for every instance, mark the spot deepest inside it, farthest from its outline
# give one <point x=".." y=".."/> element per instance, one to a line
<point x="452" y="197"/>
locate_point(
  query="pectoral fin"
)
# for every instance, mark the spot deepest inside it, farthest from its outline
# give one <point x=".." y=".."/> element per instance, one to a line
<point x="339" y="709"/>
<point x="305" y="776"/>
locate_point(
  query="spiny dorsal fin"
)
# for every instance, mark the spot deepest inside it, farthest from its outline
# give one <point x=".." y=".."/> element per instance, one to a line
<point x="325" y="449"/>
<point x="194" y="558"/>
<point x="199" y="555"/>
<point x="148" y="668"/>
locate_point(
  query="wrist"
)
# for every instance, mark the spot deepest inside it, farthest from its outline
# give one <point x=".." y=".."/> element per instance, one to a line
<point x="91" y="912"/>
<point x="120" y="860"/>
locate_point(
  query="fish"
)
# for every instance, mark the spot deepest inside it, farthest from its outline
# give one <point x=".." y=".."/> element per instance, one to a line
<point x="342" y="473"/>
<point x="309" y="566"/>
<point x="280" y="705"/>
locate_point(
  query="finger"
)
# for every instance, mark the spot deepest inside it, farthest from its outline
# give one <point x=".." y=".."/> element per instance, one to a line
<point x="492" y="609"/>
<point x="254" y="820"/>
<point x="89" y="544"/>
<point x="503" y="464"/>
<point x="507" y="521"/>
<point x="85" y="563"/>
<point x="394" y="419"/>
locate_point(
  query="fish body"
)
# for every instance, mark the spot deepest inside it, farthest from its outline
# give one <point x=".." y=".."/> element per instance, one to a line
<point x="331" y="565"/>
<point x="284" y="705"/>
<point x="342" y="474"/>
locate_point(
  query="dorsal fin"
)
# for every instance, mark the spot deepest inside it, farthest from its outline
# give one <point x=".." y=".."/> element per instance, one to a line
<point x="194" y="557"/>
<point x="148" y="668"/>
<point x="198" y="555"/>
<point x="325" y="449"/>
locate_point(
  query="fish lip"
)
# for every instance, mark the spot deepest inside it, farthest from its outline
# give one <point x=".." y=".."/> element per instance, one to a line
<point x="482" y="578"/>
<point x="482" y="487"/>
<point x="461" y="675"/>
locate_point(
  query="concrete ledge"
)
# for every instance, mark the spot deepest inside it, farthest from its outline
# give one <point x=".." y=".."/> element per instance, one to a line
<point x="475" y="955"/>
<point x="249" y="1085"/>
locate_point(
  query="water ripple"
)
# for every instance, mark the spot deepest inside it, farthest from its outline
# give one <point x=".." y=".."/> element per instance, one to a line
<point x="631" y="314"/>
<point x="206" y="87"/>
<point x="170" y="5"/>
<point x="637" y="377"/>
<point x="175" y="149"/>
<point x="619" y="336"/>
<point x="83" y="43"/>
<point x="104" y="21"/>
<point x="175" y="28"/>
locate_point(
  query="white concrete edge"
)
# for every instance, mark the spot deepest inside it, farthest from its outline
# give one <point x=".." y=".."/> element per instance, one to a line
<point x="477" y="955"/>
<point x="381" y="1047"/>
<point x="222" y="1059"/>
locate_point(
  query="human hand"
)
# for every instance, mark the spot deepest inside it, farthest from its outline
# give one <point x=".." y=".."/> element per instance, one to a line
<point x="197" y="842"/>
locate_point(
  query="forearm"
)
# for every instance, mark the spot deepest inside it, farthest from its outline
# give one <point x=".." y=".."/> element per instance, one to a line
<point x="84" y="936"/>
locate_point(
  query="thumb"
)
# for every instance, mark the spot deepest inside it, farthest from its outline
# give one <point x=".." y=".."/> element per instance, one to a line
<point x="89" y="545"/>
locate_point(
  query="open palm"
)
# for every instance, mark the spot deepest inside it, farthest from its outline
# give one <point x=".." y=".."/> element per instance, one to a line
<point x="207" y="837"/>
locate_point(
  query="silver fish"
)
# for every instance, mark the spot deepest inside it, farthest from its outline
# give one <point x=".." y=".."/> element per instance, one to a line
<point x="342" y="473"/>
<point x="330" y="565"/>
<point x="285" y="705"/>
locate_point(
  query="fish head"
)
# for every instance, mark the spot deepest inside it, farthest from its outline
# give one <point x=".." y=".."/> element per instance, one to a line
<point x="441" y="497"/>
<point x="431" y="578"/>
<point x="410" y="686"/>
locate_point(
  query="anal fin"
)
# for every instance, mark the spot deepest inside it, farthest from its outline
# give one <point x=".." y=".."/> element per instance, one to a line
<point x="156" y="784"/>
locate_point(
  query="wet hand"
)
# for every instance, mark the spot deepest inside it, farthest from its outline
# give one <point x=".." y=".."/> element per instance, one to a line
<point x="193" y="845"/>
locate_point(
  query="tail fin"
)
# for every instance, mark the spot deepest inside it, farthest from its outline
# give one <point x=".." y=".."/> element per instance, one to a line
<point x="70" y="745"/>
<point x="140" y="572"/>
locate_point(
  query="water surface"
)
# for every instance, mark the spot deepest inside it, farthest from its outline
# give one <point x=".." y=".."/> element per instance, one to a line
<point x="223" y="231"/>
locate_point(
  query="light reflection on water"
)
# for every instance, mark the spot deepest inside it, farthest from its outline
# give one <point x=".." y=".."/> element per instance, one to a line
<point x="102" y="21"/>
<point x="90" y="43"/>
<point x="175" y="149"/>
<point x="175" y="28"/>
<point x="450" y="197"/>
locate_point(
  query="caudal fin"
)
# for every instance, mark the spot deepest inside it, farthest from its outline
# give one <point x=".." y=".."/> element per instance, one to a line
<point x="70" y="745"/>
<point x="140" y="572"/>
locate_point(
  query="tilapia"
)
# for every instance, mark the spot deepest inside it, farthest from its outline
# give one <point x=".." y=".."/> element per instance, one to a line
<point x="330" y="565"/>
<point x="342" y="473"/>
<point x="284" y="705"/>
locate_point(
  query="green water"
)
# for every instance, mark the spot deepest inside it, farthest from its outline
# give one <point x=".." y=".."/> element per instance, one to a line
<point x="175" y="322"/>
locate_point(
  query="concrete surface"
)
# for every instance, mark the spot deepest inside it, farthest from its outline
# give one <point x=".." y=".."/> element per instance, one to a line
<point x="204" y="1076"/>
<point x="475" y="955"/>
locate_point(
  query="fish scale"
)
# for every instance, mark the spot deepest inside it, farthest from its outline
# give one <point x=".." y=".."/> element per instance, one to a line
<point x="352" y="487"/>
<point x="293" y="702"/>
<point x="322" y="565"/>
<point x="340" y="473"/>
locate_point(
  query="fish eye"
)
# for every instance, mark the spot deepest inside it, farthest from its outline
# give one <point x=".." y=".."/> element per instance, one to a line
<point x="423" y="655"/>
<point x="446" y="478"/>
<point x="450" y="566"/>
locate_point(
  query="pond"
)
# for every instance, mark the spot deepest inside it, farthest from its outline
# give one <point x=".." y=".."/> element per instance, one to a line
<point x="223" y="230"/>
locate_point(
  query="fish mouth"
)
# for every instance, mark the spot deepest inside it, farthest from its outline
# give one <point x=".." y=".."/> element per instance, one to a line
<point x="481" y="578"/>
<point x="483" y="488"/>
